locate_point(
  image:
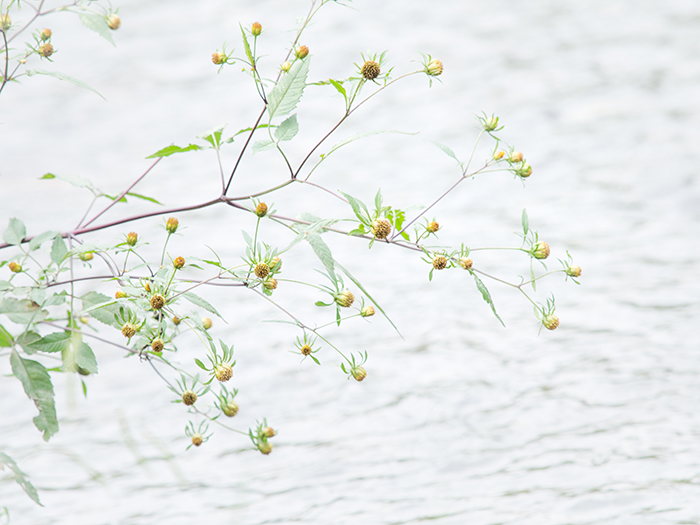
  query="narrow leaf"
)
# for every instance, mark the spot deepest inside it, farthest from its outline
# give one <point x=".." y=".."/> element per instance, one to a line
<point x="5" y="337"/>
<point x="149" y="199"/>
<point x="15" y="232"/>
<point x="64" y="77"/>
<point x="446" y="150"/>
<point x="98" y="23"/>
<point x="170" y="150"/>
<point x="246" y="46"/>
<point x="487" y="296"/>
<point x="525" y="222"/>
<point x="202" y="303"/>
<point x="20" y="477"/>
<point x="337" y="85"/>
<point x="323" y="252"/>
<point x="287" y="93"/>
<point x="200" y="364"/>
<point x="357" y="206"/>
<point x="38" y="387"/>
<point x="288" y="129"/>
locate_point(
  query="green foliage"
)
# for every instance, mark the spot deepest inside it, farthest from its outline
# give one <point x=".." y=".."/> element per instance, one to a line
<point x="38" y="387"/>
<point x="20" y="477"/>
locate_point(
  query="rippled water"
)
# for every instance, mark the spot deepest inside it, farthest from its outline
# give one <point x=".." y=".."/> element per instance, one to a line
<point x="461" y="422"/>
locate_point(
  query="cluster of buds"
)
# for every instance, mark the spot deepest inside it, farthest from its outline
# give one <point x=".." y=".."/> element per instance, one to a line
<point x="113" y="21"/>
<point x="260" y="437"/>
<point x="221" y="364"/>
<point x="226" y="403"/>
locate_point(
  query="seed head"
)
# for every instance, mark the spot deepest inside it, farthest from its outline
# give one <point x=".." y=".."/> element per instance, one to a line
<point x="305" y="350"/>
<point x="171" y="225"/>
<point x="499" y="155"/>
<point x="286" y="66"/>
<point x="370" y="70"/>
<point x="270" y="284"/>
<point x="540" y="250"/>
<point x="432" y="227"/>
<point x="218" y="58"/>
<point x="302" y="52"/>
<point x="157" y="302"/>
<point x="5" y="22"/>
<point x="434" y="68"/>
<point x="516" y="156"/>
<point x="176" y="320"/>
<point x="223" y="372"/>
<point x="157" y="345"/>
<point x="129" y="330"/>
<point x="358" y="372"/>
<point x="86" y="256"/>
<point x="15" y="267"/>
<point x="179" y="262"/>
<point x="256" y="29"/>
<point x="345" y="299"/>
<point x="230" y="408"/>
<point x="524" y="171"/>
<point x="269" y="432"/>
<point x="261" y="270"/>
<point x="265" y="447"/>
<point x="206" y="323"/>
<point x="573" y="271"/>
<point x="550" y="321"/>
<point x="440" y="262"/>
<point x="119" y="294"/>
<point x="465" y="263"/>
<point x="367" y="311"/>
<point x="46" y="50"/>
<point x="132" y="238"/>
<point x="197" y="439"/>
<point x="261" y="209"/>
<point x="381" y="228"/>
<point x="114" y="22"/>
<point x="45" y="34"/>
<point x="189" y="397"/>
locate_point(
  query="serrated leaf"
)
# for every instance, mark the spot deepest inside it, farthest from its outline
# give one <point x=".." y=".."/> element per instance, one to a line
<point x="20" y="477"/>
<point x="262" y="145"/>
<point x="59" y="250"/>
<point x="213" y="137"/>
<point x="55" y="299"/>
<point x="487" y="296"/>
<point x="55" y="342"/>
<point x="525" y="222"/>
<point x="38" y="387"/>
<point x="26" y="339"/>
<point x="246" y="46"/>
<point x="5" y="337"/>
<point x="98" y="23"/>
<point x="85" y="357"/>
<point x="323" y="252"/>
<point x="288" y="129"/>
<point x="37" y="241"/>
<point x="171" y="150"/>
<point x="15" y="232"/>
<point x="48" y="176"/>
<point x="22" y="312"/>
<point x="357" y="206"/>
<point x="287" y="93"/>
<point x="446" y="150"/>
<point x="202" y="303"/>
<point x="65" y="78"/>
<point x="101" y="308"/>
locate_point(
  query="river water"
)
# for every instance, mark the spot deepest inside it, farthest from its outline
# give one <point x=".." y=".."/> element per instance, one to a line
<point x="461" y="421"/>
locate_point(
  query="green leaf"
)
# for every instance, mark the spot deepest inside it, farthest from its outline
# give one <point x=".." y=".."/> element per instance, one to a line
<point x="64" y="77"/>
<point x="170" y="150"/>
<point x="5" y="337"/>
<point x="20" y="477"/>
<point x="287" y="93"/>
<point x="288" y="129"/>
<point x="246" y="46"/>
<point x="85" y="357"/>
<point x="79" y="182"/>
<point x="262" y="145"/>
<point x="26" y="339"/>
<point x="202" y="303"/>
<point x="59" y="250"/>
<point x="15" y="232"/>
<point x="357" y="206"/>
<point x="525" y="222"/>
<point x="321" y="303"/>
<point x="200" y="364"/>
<point x="38" y="387"/>
<point x="487" y="296"/>
<point x="446" y="150"/>
<point x="378" y="200"/>
<point x="101" y="308"/>
<point x="337" y="85"/>
<point x="55" y="342"/>
<point x="48" y="176"/>
<point x="5" y="285"/>
<point x="22" y="312"/>
<point x="323" y="252"/>
<point x="149" y="199"/>
<point x="359" y="136"/>
<point x="98" y="23"/>
<point x="37" y="241"/>
<point x="214" y="137"/>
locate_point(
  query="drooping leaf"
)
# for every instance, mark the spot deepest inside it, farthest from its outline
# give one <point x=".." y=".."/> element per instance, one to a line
<point x="143" y="197"/>
<point x="202" y="303"/>
<point x="22" y="311"/>
<point x="487" y="296"/>
<point x="446" y="150"/>
<point x="262" y="145"/>
<point x="64" y="77"/>
<point x="15" y="232"/>
<point x="525" y="222"/>
<point x="101" y="307"/>
<point x="337" y="85"/>
<point x="358" y="206"/>
<point x="5" y="337"/>
<point x="20" y="477"/>
<point x="38" y="387"/>
<point x="200" y="364"/>
<point x="98" y="23"/>
<point x="359" y="136"/>
<point x="323" y="252"/>
<point x="287" y="93"/>
<point x="26" y="339"/>
<point x="55" y="342"/>
<point x="85" y="357"/>
<point x="37" y="241"/>
<point x="170" y="150"/>
<point x="213" y="137"/>
<point x="288" y="129"/>
<point x="59" y="250"/>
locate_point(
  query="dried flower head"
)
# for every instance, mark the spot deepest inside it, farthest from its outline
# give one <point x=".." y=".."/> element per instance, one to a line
<point x="465" y="263"/>
<point x="157" y="345"/>
<point x="440" y="262"/>
<point x="370" y="70"/>
<point x="129" y="330"/>
<point x="223" y="372"/>
<point x="550" y="321"/>
<point x="197" y="439"/>
<point x="381" y="228"/>
<point x="305" y="350"/>
<point x="261" y="270"/>
<point x="157" y="302"/>
<point x="189" y="397"/>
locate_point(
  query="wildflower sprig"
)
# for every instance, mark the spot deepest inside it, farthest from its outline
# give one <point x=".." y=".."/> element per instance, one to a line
<point x="199" y="435"/>
<point x="225" y="401"/>
<point x="222" y="363"/>
<point x="187" y="389"/>
<point x="379" y="222"/>
<point x="307" y="347"/>
<point x="355" y="368"/>
<point x="260" y="437"/>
